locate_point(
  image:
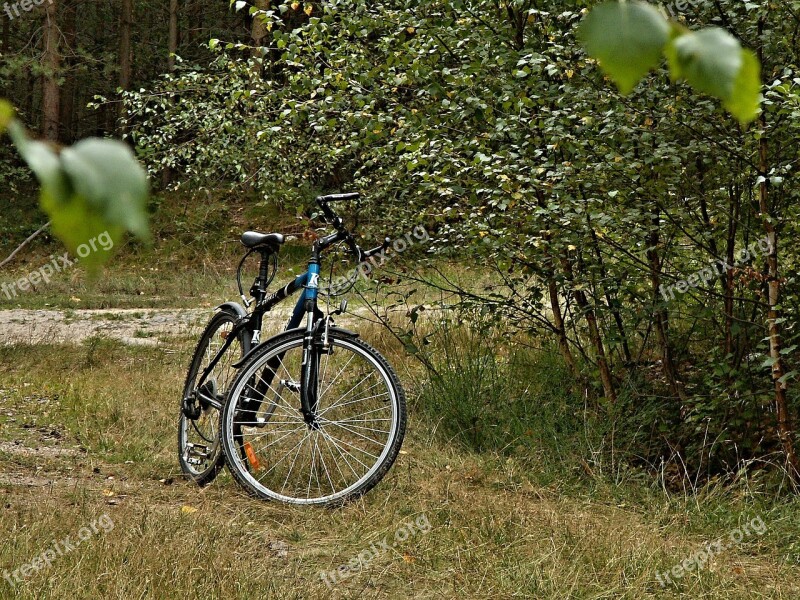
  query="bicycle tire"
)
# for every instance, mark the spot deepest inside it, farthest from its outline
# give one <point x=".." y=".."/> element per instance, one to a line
<point x="247" y="468"/>
<point x="225" y="317"/>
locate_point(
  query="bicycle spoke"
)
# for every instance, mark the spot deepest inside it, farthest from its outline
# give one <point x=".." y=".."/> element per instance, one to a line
<point x="339" y="401"/>
<point x="335" y="439"/>
<point x="355" y="433"/>
<point x="299" y="447"/>
<point x="353" y="402"/>
<point x="339" y="374"/>
<point x="338" y="423"/>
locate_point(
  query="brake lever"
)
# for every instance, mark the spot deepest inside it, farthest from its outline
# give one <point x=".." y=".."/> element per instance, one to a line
<point x="382" y="248"/>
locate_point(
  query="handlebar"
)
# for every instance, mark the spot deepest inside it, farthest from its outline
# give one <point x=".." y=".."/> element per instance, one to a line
<point x="342" y="233"/>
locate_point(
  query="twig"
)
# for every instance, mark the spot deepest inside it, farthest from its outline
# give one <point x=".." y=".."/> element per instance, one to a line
<point x="25" y="243"/>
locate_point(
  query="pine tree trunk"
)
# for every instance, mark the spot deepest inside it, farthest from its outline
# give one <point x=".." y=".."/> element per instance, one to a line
<point x="68" y="90"/>
<point x="6" y="43"/>
<point x="172" y="48"/>
<point x="173" y="34"/>
<point x="125" y="58"/>
<point x="259" y="32"/>
<point x="50" y="64"/>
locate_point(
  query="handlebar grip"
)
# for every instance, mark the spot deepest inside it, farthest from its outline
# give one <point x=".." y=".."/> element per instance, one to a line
<point x="338" y="197"/>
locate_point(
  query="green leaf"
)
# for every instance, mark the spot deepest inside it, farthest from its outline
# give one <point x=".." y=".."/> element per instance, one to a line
<point x="6" y="114"/>
<point x="626" y="38"/>
<point x="713" y="61"/>
<point x="42" y="160"/>
<point x="746" y="98"/>
<point x="106" y="174"/>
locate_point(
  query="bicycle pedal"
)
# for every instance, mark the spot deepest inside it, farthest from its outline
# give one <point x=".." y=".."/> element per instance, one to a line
<point x="192" y="450"/>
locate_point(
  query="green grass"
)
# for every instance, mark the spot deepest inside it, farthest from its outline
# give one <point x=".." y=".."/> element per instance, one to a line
<point x="500" y="528"/>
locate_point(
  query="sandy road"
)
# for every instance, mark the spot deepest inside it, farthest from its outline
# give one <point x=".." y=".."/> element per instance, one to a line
<point x="140" y="326"/>
<point x="130" y="326"/>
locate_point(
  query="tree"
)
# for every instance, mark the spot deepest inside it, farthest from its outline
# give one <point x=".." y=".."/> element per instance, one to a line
<point x="50" y="64"/>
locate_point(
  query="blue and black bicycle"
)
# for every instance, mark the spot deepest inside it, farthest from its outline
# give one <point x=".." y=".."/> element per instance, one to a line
<point x="313" y="415"/>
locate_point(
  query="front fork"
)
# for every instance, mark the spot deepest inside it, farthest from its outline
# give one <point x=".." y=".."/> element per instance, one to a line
<point x="309" y="377"/>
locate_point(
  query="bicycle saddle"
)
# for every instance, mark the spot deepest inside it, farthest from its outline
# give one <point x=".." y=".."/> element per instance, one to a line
<point x="253" y="239"/>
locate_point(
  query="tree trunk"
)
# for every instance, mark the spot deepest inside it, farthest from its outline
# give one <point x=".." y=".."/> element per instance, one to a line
<point x="173" y="34"/>
<point x="68" y="90"/>
<point x="125" y="58"/>
<point x="6" y="43"/>
<point x="785" y="428"/>
<point x="610" y="288"/>
<point x="660" y="314"/>
<point x="50" y="63"/>
<point x="561" y="332"/>
<point x="730" y="248"/>
<point x="555" y="305"/>
<point x="172" y="48"/>
<point x="594" y="334"/>
<point x="259" y="33"/>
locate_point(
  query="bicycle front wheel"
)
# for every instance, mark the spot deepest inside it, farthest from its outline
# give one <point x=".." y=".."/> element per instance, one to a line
<point x="361" y="421"/>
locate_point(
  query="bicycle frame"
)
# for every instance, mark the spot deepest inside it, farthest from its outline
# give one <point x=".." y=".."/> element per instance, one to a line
<point x="307" y="303"/>
<point x="251" y="323"/>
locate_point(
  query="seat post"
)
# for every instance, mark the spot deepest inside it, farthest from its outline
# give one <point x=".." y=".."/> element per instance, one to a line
<point x="263" y="272"/>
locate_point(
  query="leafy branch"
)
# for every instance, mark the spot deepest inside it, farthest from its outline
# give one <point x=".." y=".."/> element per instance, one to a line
<point x="629" y="39"/>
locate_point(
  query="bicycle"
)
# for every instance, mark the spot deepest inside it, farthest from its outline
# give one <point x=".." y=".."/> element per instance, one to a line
<point x="278" y="437"/>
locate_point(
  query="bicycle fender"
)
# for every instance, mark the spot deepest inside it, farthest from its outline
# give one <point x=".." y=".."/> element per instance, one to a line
<point x="290" y="333"/>
<point x="235" y="307"/>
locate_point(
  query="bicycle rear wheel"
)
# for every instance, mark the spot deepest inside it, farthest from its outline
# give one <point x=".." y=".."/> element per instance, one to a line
<point x="361" y="420"/>
<point x="200" y="454"/>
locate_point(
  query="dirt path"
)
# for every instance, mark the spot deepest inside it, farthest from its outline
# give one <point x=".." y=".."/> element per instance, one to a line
<point x="130" y="326"/>
<point x="139" y="326"/>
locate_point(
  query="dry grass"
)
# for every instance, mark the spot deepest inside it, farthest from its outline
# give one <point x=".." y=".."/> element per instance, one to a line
<point x="95" y="433"/>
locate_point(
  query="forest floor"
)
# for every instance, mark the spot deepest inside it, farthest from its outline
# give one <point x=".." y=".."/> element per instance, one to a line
<point x="87" y="441"/>
<point x="93" y="504"/>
